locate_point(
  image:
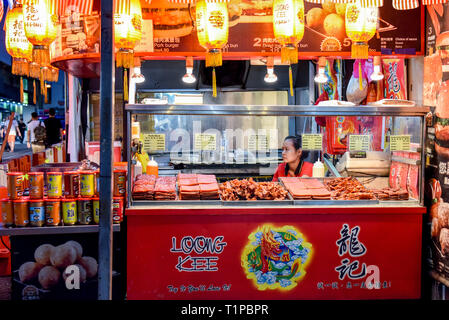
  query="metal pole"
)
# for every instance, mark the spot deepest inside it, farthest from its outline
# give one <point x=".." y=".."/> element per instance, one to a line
<point x="107" y="86"/>
<point x="5" y="139"/>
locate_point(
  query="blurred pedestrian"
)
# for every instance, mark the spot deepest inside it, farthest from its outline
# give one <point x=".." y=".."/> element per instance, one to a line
<point x="22" y="129"/>
<point x="12" y="133"/>
<point x="53" y="127"/>
<point x="36" y="134"/>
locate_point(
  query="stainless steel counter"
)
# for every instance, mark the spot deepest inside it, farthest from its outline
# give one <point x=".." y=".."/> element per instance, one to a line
<point x="27" y="231"/>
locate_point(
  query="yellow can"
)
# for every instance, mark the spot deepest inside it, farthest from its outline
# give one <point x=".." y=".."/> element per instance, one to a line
<point x="54" y="184"/>
<point x="69" y="211"/>
<point x="96" y="209"/>
<point x="87" y="183"/>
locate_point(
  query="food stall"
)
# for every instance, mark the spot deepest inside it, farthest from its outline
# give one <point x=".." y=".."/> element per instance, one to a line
<point x="206" y="228"/>
<point x="208" y="222"/>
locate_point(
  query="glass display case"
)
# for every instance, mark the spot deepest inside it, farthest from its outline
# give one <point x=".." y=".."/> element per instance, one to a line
<point x="380" y="146"/>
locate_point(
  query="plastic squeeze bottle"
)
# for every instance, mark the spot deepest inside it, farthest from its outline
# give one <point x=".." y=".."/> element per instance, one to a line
<point x="152" y="167"/>
<point x="318" y="169"/>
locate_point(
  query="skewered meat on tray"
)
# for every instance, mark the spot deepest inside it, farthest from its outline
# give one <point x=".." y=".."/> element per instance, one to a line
<point x="348" y="189"/>
<point x="391" y="194"/>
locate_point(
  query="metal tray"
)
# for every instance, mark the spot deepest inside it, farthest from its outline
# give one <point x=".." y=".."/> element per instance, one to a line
<point x="334" y="202"/>
<point x="257" y="203"/>
<point x="327" y="202"/>
<point x="177" y="202"/>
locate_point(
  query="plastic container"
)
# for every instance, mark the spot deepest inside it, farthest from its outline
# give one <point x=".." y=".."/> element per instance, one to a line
<point x="36" y="180"/>
<point x="69" y="211"/>
<point x="318" y="169"/>
<point x="37" y="212"/>
<point x="15" y="185"/>
<point x="153" y="167"/>
<point x="7" y="212"/>
<point x="21" y="214"/>
<point x="119" y="183"/>
<point x="117" y="209"/>
<point x="87" y="184"/>
<point x="96" y="209"/>
<point x="54" y="185"/>
<point x="85" y="215"/>
<point x="52" y="212"/>
<point x="71" y="184"/>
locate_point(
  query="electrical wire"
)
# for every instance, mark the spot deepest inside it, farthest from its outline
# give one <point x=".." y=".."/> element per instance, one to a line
<point x="9" y="249"/>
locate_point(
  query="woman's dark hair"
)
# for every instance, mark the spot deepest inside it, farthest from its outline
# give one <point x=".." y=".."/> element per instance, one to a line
<point x="297" y="144"/>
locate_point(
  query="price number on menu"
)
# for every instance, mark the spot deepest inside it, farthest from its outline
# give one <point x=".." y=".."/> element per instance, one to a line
<point x="204" y="141"/>
<point x="154" y="142"/>
<point x="312" y="141"/>
<point x="400" y="142"/>
<point x="257" y="142"/>
<point x="359" y="142"/>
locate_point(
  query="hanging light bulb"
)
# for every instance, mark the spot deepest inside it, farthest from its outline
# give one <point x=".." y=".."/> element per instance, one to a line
<point x="377" y="73"/>
<point x="137" y="76"/>
<point x="321" y="76"/>
<point x="189" y="77"/>
<point x="270" y="77"/>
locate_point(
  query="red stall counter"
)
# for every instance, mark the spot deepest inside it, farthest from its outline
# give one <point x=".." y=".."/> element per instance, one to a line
<point x="272" y="253"/>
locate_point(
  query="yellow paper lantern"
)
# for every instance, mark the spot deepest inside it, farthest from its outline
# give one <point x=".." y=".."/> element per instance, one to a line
<point x="127" y="30"/>
<point x="16" y="42"/>
<point x="212" y="24"/>
<point x="361" y="24"/>
<point x="40" y="22"/>
<point x="288" y="27"/>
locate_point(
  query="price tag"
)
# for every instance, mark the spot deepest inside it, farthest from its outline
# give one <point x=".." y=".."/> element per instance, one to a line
<point x="312" y="141"/>
<point x="262" y="142"/>
<point x="252" y="142"/>
<point x="204" y="141"/>
<point x="400" y="142"/>
<point x="359" y="142"/>
<point x="257" y="142"/>
<point x="154" y="142"/>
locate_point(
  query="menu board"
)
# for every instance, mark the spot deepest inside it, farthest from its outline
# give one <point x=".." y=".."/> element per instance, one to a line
<point x="257" y="142"/>
<point x="312" y="141"/>
<point x="170" y="29"/>
<point x="77" y="34"/>
<point x="251" y="31"/>
<point x="400" y="142"/>
<point x="204" y="141"/>
<point x="154" y="142"/>
<point x="359" y="142"/>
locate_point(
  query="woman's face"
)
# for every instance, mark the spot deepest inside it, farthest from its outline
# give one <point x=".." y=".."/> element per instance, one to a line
<point x="289" y="153"/>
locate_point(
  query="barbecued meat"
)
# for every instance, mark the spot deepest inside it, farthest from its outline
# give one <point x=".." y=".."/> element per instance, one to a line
<point x="444" y="240"/>
<point x="436" y="228"/>
<point x="248" y="189"/>
<point x="443" y="214"/>
<point x="348" y="189"/>
<point x="391" y="194"/>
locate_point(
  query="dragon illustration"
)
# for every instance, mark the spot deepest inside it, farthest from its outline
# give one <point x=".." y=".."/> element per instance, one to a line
<point x="269" y="250"/>
<point x="273" y="256"/>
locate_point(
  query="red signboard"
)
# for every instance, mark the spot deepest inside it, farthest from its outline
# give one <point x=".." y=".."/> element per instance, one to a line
<point x="325" y="253"/>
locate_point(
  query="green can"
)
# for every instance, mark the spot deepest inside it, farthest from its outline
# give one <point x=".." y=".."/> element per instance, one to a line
<point x="96" y="209"/>
<point x="69" y="211"/>
<point x="85" y="210"/>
